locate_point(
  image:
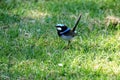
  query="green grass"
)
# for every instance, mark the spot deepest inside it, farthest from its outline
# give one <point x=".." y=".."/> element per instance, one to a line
<point x="30" y="48"/>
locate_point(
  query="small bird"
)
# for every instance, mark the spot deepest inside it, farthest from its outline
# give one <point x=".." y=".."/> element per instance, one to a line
<point x="65" y="32"/>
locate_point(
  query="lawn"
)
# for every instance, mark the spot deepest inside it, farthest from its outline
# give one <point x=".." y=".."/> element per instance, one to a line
<point x="30" y="48"/>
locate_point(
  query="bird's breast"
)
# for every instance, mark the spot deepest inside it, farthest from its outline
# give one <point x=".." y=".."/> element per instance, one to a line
<point x="66" y="37"/>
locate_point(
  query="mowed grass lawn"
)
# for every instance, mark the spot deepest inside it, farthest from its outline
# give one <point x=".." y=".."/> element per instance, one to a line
<point x="30" y="48"/>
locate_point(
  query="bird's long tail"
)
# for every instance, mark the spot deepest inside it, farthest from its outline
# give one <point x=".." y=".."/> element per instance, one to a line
<point x="76" y="23"/>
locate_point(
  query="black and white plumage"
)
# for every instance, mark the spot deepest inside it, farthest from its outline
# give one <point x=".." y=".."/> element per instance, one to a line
<point x="65" y="32"/>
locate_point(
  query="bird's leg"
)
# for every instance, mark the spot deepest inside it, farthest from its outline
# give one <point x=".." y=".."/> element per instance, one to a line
<point x="67" y="47"/>
<point x="69" y="43"/>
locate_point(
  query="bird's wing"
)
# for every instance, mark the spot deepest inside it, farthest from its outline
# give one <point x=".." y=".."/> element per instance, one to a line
<point x="70" y="33"/>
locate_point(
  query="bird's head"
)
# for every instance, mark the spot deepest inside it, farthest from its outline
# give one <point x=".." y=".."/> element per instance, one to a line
<point x="61" y="27"/>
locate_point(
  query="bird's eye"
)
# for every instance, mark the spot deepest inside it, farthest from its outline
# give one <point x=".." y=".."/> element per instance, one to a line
<point x="59" y="28"/>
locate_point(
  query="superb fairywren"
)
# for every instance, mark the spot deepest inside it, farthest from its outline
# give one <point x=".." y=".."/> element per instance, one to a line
<point x="65" y="32"/>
